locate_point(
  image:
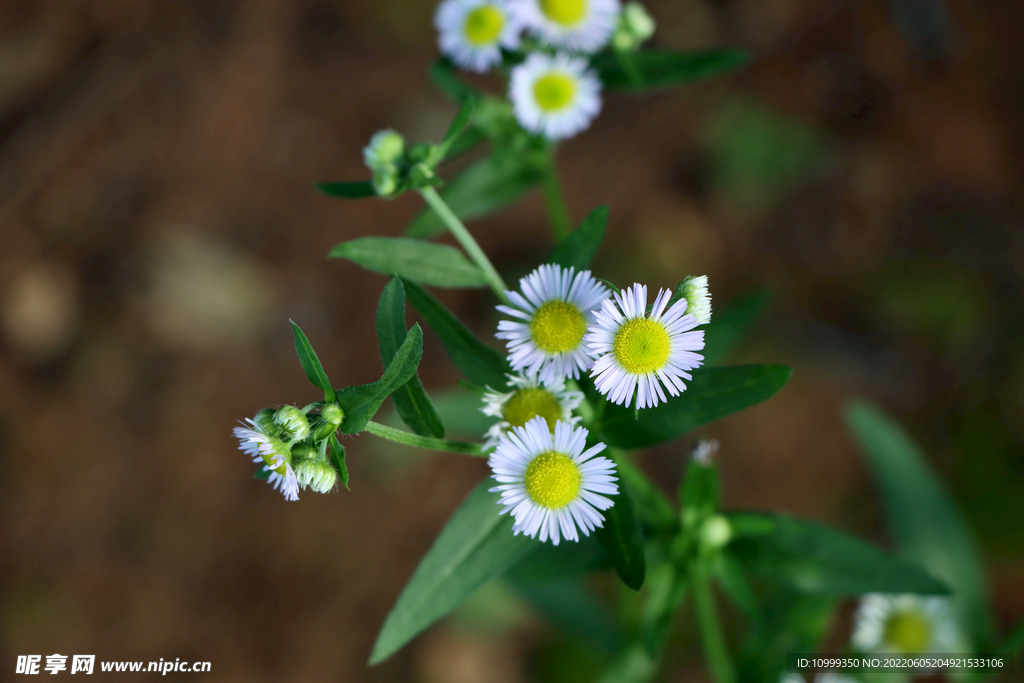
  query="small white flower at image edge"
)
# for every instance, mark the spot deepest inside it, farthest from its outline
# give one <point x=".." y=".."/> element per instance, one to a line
<point x="472" y="33"/>
<point x="574" y="25"/>
<point x="906" y="624"/>
<point x="552" y="485"/>
<point x="556" y="97"/>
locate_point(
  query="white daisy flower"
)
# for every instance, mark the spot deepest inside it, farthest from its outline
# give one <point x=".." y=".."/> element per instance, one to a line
<point x="905" y="624"/>
<point x="698" y="298"/>
<point x="273" y="453"/>
<point x="552" y="315"/>
<point x="577" y="25"/>
<point x="640" y="351"/>
<point x="472" y="32"/>
<point x="527" y="400"/>
<point x="556" y="97"/>
<point x="550" y="484"/>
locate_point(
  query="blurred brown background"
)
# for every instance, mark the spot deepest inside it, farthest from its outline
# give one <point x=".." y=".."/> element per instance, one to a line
<point x="159" y="227"/>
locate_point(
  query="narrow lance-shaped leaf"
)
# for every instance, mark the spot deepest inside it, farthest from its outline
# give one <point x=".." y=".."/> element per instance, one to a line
<point x="457" y="127"/>
<point x="437" y="265"/>
<point x="482" y="188"/>
<point x="923" y="517"/>
<point x="311" y="364"/>
<point x="477" y="544"/>
<point x="623" y="540"/>
<point x="818" y="559"/>
<point x="573" y="609"/>
<point x="357" y="189"/>
<point x="663" y="68"/>
<point x="712" y="394"/>
<point x="444" y="76"/>
<point x="578" y="249"/>
<point x="361" y="403"/>
<point x="338" y="460"/>
<point x="478" y="362"/>
<point x="410" y="399"/>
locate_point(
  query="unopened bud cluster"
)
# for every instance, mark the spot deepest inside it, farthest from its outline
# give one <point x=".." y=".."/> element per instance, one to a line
<point x="635" y="26"/>
<point x="396" y="169"/>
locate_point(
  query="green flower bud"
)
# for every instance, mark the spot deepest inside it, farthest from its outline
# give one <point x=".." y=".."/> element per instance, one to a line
<point x="386" y="148"/>
<point x="265" y="420"/>
<point x="635" y="26"/>
<point x="698" y="299"/>
<point x="421" y="152"/>
<point x="330" y="419"/>
<point x="292" y="421"/>
<point x="385" y="181"/>
<point x="317" y="475"/>
<point x="716" y="532"/>
<point x="302" y="452"/>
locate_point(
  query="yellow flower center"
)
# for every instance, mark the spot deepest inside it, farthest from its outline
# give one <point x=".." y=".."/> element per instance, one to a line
<point x="557" y="327"/>
<point x="554" y="91"/>
<point x="484" y="25"/>
<point x="909" y="631"/>
<point x="528" y="403"/>
<point x="641" y="346"/>
<point x="566" y="13"/>
<point x="552" y="480"/>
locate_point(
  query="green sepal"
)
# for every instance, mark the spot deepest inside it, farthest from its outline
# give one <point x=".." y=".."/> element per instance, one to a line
<point x="477" y="544"/>
<point x="578" y="249"/>
<point x="411" y="400"/>
<point x="712" y="394"/>
<point x="361" y="403"/>
<point x="664" y="68"/>
<point x="436" y="265"/>
<point x="478" y="362"/>
<point x="311" y="364"/>
<point x="815" y="558"/>
<point x="357" y="189"/>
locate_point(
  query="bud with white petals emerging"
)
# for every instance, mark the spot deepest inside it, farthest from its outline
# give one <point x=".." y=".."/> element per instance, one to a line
<point x="698" y="299"/>
<point x="317" y="475"/>
<point x="635" y="26"/>
<point x="293" y="422"/>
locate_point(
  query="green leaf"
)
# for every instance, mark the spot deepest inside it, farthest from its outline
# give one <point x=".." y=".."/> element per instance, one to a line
<point x="662" y="68"/>
<point x="701" y="490"/>
<point x="818" y="559"/>
<point x="457" y="127"/>
<point x="713" y="393"/>
<point x="481" y="189"/>
<point x="478" y="362"/>
<point x="338" y="460"/>
<point x="437" y="265"/>
<point x="578" y="249"/>
<point x="477" y="544"/>
<point x="361" y="403"/>
<point x="311" y="364"/>
<point x="547" y="562"/>
<point x="442" y="72"/>
<point x="623" y="540"/>
<point x="574" y="610"/>
<point x="730" y="576"/>
<point x="358" y="189"/>
<point x="459" y="410"/>
<point x="790" y="622"/>
<point x="732" y="326"/>
<point x="411" y="400"/>
<point x="924" y="519"/>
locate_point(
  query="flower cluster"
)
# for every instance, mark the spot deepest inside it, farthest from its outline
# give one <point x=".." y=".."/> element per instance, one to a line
<point x="292" y="446"/>
<point x="560" y="325"/>
<point x="548" y="45"/>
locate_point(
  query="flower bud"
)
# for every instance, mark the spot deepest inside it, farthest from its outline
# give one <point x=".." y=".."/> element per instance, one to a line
<point x="385" y="180"/>
<point x="635" y="26"/>
<point x="317" y="475"/>
<point x="330" y="419"/>
<point x="302" y="452"/>
<point x="265" y="420"/>
<point x="716" y="532"/>
<point x="293" y="422"/>
<point x="386" y="148"/>
<point x="698" y="299"/>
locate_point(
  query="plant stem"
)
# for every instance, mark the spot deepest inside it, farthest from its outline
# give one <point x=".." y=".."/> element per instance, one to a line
<point x="710" y="629"/>
<point x="628" y="65"/>
<point x="463" y="236"/>
<point x="558" y="211"/>
<point x="410" y="439"/>
<point x="653" y="506"/>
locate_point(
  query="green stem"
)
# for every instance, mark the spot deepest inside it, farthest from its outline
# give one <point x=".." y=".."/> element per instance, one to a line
<point x="558" y="211"/>
<point x="410" y="439"/>
<point x="653" y="506"/>
<point x="628" y="65"/>
<point x="710" y="629"/>
<point x="464" y="238"/>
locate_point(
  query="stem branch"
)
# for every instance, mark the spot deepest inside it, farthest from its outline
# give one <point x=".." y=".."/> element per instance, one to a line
<point x="710" y="629"/>
<point x="410" y="439"/>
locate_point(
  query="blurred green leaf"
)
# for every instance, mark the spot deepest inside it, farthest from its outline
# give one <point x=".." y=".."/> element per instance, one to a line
<point x="923" y="518"/>
<point x="818" y="559"/>
<point x="444" y="75"/>
<point x="478" y="362"/>
<point x="700" y="489"/>
<point x="455" y="130"/>
<point x="623" y="540"/>
<point x="578" y="249"/>
<point x="361" y="403"/>
<point x="713" y="393"/>
<point x="311" y="364"/>
<point x="338" y="460"/>
<point x="732" y="326"/>
<point x="482" y="188"/>
<point x="411" y="400"/>
<point x="547" y="562"/>
<point x="790" y="622"/>
<point x="358" y="189"/>
<point x="574" y="610"/>
<point x="436" y="265"/>
<point x="662" y="68"/>
<point x="666" y="590"/>
<point x="729" y="574"/>
<point x="477" y="544"/>
<point x="459" y="410"/>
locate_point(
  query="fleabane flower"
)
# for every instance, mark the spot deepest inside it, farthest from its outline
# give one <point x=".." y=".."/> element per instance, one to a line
<point x="263" y="447"/>
<point x="639" y="352"/>
<point x="698" y="298"/>
<point x="551" y="316"/>
<point x="549" y="483"/>
<point x="576" y="25"/>
<point x="556" y="97"/>
<point x="905" y="624"/>
<point x="472" y="32"/>
<point x="527" y="400"/>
